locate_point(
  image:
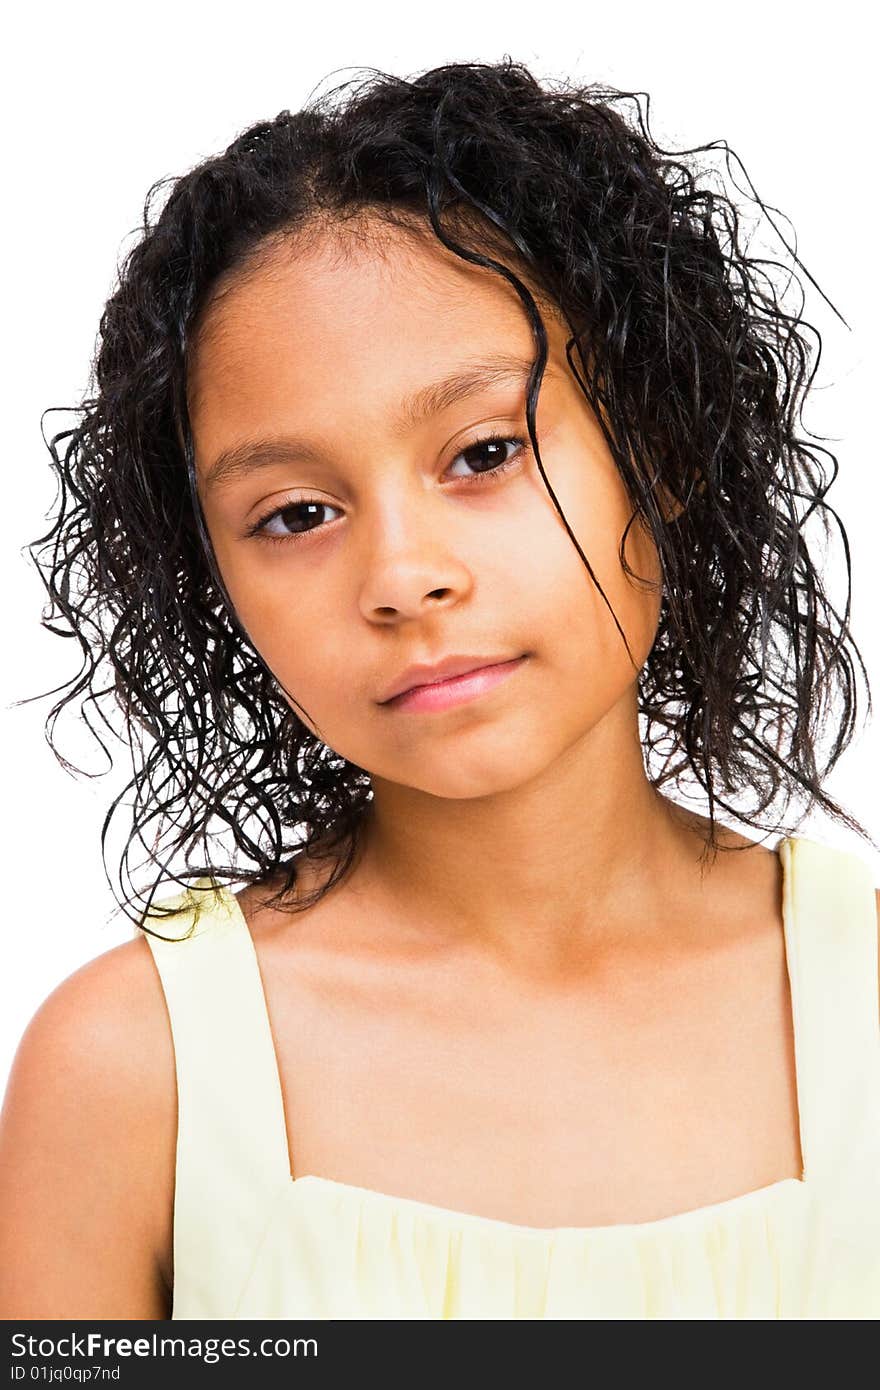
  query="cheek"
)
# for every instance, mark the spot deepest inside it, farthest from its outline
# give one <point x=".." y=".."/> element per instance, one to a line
<point x="598" y="514"/>
<point x="269" y="611"/>
<point x="293" y="634"/>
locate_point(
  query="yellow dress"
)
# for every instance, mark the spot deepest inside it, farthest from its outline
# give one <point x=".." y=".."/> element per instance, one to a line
<point x="251" y="1241"/>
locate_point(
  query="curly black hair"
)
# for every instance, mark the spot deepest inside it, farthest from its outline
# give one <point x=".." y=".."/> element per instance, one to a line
<point x="692" y="366"/>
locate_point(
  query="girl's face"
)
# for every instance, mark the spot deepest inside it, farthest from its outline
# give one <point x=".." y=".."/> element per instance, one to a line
<point x="397" y="536"/>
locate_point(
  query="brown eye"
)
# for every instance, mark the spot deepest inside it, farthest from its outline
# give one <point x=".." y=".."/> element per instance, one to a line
<point x="305" y="510"/>
<point x="489" y="452"/>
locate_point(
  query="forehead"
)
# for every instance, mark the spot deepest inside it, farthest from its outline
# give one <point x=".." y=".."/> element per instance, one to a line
<point x="382" y="305"/>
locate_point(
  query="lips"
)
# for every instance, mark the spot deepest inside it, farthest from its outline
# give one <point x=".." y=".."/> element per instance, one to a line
<point x="439" y="671"/>
<point x="454" y="690"/>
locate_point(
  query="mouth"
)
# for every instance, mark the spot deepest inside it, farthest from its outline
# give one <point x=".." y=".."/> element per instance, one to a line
<point x="455" y="690"/>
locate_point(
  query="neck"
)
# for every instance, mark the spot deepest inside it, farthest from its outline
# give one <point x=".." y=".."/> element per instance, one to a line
<point x="582" y="857"/>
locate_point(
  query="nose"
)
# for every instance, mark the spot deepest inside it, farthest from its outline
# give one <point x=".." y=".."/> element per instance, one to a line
<point x="407" y="588"/>
<point x="411" y="568"/>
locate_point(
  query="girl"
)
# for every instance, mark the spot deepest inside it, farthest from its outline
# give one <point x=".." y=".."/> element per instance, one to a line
<point x="440" y="475"/>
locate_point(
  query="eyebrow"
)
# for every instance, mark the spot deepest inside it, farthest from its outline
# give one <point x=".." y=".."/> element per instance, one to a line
<point x="249" y="455"/>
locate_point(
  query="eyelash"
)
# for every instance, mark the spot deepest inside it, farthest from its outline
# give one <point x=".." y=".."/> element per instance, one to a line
<point x="478" y="479"/>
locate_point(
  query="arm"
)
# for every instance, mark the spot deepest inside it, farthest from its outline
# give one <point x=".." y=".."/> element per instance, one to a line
<point x="87" y="1147"/>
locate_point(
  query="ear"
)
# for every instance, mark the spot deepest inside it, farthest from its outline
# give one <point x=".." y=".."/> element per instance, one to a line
<point x="671" y="507"/>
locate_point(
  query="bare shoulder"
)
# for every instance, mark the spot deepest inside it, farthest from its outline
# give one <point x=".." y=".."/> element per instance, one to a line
<point x="87" y="1148"/>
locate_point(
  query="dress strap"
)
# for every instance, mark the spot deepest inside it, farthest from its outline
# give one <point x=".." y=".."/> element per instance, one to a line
<point x="830" y="917"/>
<point x="231" y="1140"/>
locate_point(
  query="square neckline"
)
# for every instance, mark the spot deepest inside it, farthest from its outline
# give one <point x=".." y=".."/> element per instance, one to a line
<point x="690" y="1215"/>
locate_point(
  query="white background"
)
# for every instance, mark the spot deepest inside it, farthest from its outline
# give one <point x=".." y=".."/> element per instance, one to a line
<point x="100" y="101"/>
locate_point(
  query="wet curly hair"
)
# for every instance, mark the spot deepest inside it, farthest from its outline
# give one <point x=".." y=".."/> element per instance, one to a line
<point x="693" y="367"/>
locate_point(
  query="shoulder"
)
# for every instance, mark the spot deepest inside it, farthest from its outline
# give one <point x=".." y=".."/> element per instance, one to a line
<point x="106" y="1022"/>
<point x="87" y="1144"/>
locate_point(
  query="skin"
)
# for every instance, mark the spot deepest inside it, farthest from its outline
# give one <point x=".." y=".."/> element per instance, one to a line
<point x="526" y="923"/>
<point x="413" y="563"/>
<point x="589" y="906"/>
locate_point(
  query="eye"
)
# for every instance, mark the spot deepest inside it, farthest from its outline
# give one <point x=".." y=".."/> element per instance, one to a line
<point x="491" y="444"/>
<point x="306" y="509"/>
